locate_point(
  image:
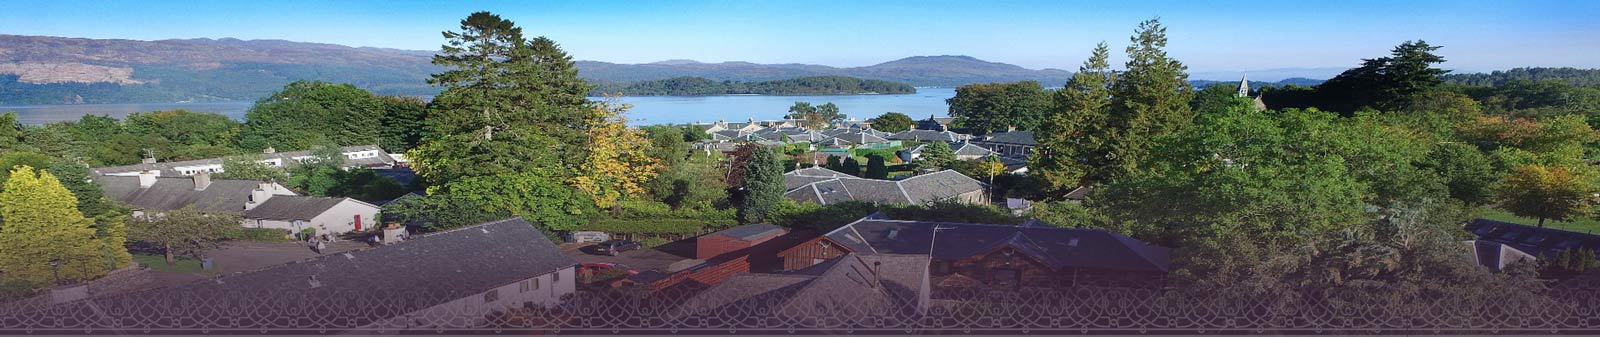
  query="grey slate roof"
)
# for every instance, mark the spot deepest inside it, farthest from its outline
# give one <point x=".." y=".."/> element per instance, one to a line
<point x="167" y="169"/>
<point x="824" y="188"/>
<point x="1496" y="256"/>
<point x="1533" y="240"/>
<point x="850" y="286"/>
<point x="176" y="193"/>
<point x="293" y="207"/>
<point x="1011" y="137"/>
<point x="750" y="232"/>
<point x="968" y="149"/>
<point x="351" y="289"/>
<point x="1057" y="247"/>
<point x="928" y="136"/>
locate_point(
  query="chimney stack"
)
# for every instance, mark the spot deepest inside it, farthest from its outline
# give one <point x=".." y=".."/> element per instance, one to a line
<point x="259" y="195"/>
<point x="147" y="178"/>
<point x="1010" y="128"/>
<point x="202" y="180"/>
<point x="269" y="150"/>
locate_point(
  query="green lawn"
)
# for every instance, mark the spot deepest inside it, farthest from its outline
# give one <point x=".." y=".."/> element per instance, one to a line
<point x="159" y="263"/>
<point x="1581" y="225"/>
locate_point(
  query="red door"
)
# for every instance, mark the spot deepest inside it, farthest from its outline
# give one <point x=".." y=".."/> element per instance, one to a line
<point x="358" y="222"/>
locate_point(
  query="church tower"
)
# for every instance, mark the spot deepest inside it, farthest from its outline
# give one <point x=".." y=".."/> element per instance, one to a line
<point x="1244" y="86"/>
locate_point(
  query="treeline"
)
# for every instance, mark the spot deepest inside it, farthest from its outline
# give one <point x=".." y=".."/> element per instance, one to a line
<point x="696" y="86"/>
<point x="1572" y="76"/>
<point x="1357" y="185"/>
<point x="228" y="82"/>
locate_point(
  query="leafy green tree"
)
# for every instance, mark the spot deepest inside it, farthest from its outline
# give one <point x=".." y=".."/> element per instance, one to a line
<point x="1073" y="141"/>
<point x="800" y="110"/>
<point x="1149" y="100"/>
<point x="667" y="144"/>
<point x="1230" y="176"/>
<point x="321" y="175"/>
<point x="538" y="196"/>
<point x="1216" y="98"/>
<point x="404" y="119"/>
<point x="850" y="166"/>
<point x="762" y="188"/>
<point x="876" y="168"/>
<point x="184" y="132"/>
<point x="695" y="183"/>
<point x="893" y="122"/>
<point x="309" y="113"/>
<point x="11" y="160"/>
<point x="439" y="212"/>
<point x="1548" y="192"/>
<point x="43" y="224"/>
<point x="367" y="185"/>
<point x="109" y="218"/>
<point x="183" y="232"/>
<point x="995" y="107"/>
<point x="10" y="132"/>
<point x="936" y="154"/>
<point x="830" y="113"/>
<point x="834" y="164"/>
<point x="1468" y="173"/>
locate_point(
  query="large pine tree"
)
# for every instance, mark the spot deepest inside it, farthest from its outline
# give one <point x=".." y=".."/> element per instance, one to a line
<point x="509" y="105"/>
<point x="1149" y="101"/>
<point x="1073" y="140"/>
<point x="43" y="226"/>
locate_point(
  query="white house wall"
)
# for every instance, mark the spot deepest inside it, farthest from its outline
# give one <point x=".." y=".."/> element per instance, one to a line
<point x="341" y="218"/>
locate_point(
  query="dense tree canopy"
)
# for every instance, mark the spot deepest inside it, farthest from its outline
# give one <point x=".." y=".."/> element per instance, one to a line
<point x="893" y="122"/>
<point x="42" y="224"/>
<point x="994" y="107"/>
<point x="762" y="188"/>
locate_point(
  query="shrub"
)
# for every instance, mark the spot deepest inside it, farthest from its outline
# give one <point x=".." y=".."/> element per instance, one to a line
<point x="650" y="226"/>
<point x="653" y="242"/>
<point x="260" y="235"/>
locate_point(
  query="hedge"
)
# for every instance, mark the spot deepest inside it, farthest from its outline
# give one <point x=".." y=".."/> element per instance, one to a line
<point x="652" y="226"/>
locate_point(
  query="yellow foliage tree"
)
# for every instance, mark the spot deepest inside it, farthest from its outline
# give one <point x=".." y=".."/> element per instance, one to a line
<point x="617" y="165"/>
<point x="45" y="238"/>
<point x="1548" y="192"/>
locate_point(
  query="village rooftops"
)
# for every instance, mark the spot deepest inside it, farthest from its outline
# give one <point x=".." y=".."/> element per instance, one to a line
<point x="929" y="136"/>
<point x="175" y="193"/>
<point x="825" y="186"/>
<point x="751" y="232"/>
<point x="1059" y="248"/>
<point x="354" y="156"/>
<point x="342" y="291"/>
<point x="1536" y="241"/>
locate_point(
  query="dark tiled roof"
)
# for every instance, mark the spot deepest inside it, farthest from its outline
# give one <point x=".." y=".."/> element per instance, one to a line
<point x="816" y="171"/>
<point x="968" y="149"/>
<point x="1011" y="137"/>
<point x="293" y="207"/>
<point x="176" y="193"/>
<point x="750" y="232"/>
<point x="1533" y="240"/>
<point x="1058" y="247"/>
<point x="356" y="288"/>
<point x="855" y="284"/>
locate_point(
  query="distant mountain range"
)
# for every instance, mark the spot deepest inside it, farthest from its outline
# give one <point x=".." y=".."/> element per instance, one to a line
<point x="58" y="70"/>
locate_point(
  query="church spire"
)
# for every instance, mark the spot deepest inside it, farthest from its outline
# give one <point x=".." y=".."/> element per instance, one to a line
<point x="1244" y="86"/>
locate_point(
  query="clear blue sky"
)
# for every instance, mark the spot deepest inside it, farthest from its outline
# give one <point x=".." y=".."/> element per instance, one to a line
<point x="1208" y="36"/>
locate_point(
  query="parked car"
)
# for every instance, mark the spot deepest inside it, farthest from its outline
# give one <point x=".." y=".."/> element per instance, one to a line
<point x="613" y="247"/>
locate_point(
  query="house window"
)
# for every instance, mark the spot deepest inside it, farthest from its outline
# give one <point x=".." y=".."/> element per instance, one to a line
<point x="555" y="277"/>
<point x="533" y="284"/>
<point x="523" y="286"/>
<point x="491" y="296"/>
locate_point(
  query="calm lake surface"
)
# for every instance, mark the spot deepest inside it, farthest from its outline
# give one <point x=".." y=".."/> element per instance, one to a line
<point x="646" y="109"/>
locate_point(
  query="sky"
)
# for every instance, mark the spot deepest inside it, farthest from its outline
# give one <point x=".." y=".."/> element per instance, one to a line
<point x="1211" y="37"/>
